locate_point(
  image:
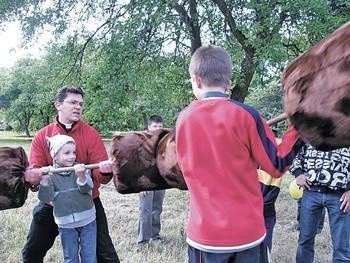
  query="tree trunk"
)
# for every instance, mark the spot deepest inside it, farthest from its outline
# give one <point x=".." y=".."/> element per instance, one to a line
<point x="196" y="41"/>
<point x="248" y="67"/>
<point x="27" y="132"/>
<point x="240" y="88"/>
<point x="191" y="20"/>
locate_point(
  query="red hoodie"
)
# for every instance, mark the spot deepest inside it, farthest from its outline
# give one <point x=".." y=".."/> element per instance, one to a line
<point x="219" y="143"/>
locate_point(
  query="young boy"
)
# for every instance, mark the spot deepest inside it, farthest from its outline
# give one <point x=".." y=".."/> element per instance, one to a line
<point x="71" y="196"/>
<point x="219" y="143"/>
<point x="150" y="202"/>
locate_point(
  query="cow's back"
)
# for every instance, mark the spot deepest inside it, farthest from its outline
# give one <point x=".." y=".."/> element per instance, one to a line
<point x="317" y="91"/>
<point x="13" y="188"/>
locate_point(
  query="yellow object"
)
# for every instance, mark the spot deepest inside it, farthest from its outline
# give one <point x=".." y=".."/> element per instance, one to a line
<point x="295" y="191"/>
<point x="268" y="180"/>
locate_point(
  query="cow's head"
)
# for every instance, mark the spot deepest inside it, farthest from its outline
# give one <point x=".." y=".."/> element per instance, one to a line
<point x="135" y="155"/>
<point x="167" y="162"/>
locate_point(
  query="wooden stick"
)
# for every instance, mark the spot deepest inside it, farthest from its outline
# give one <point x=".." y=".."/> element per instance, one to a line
<point x="277" y="119"/>
<point x="49" y="169"/>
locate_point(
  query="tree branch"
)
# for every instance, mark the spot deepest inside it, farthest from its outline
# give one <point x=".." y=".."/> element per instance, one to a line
<point x="191" y="21"/>
<point x="78" y="59"/>
<point x="241" y="38"/>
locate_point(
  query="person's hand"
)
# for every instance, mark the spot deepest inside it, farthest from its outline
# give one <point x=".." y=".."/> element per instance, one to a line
<point x="45" y="179"/>
<point x="345" y="202"/>
<point x="144" y="193"/>
<point x="106" y="166"/>
<point x="33" y="175"/>
<point x="80" y="171"/>
<point x="302" y="181"/>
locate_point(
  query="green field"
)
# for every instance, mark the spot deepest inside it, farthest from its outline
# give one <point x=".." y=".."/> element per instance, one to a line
<point x="122" y="214"/>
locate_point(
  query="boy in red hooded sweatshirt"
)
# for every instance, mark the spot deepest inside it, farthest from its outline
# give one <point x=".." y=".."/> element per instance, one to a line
<point x="219" y="143"/>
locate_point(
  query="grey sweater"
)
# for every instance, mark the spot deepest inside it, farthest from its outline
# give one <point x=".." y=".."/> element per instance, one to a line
<point x="73" y="205"/>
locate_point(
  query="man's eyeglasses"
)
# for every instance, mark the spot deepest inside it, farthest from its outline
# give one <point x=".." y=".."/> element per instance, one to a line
<point x="75" y="102"/>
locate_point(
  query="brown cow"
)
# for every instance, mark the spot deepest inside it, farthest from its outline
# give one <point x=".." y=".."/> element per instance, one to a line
<point x="13" y="189"/>
<point x="136" y="160"/>
<point x="317" y="91"/>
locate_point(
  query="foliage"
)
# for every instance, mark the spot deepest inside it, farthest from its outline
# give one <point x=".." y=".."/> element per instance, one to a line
<point x="126" y="102"/>
<point x="26" y="94"/>
<point x="258" y="33"/>
<point x="131" y="56"/>
<point x="267" y="99"/>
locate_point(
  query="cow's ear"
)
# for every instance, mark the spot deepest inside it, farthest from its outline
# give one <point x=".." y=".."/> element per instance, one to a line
<point x="160" y="133"/>
<point x="22" y="156"/>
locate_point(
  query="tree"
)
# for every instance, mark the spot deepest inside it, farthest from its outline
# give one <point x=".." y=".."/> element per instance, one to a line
<point x="4" y="89"/>
<point x="121" y="62"/>
<point x="26" y="94"/>
<point x="255" y="31"/>
<point x="123" y="99"/>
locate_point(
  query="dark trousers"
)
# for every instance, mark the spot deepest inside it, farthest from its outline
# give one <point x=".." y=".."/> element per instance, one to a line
<point x="251" y="255"/>
<point x="43" y="231"/>
<point x="269" y="225"/>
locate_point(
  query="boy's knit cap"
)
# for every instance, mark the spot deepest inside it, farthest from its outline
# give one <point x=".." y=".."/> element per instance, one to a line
<point x="56" y="142"/>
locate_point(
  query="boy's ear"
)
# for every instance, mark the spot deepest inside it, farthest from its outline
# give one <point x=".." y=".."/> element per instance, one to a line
<point x="198" y="81"/>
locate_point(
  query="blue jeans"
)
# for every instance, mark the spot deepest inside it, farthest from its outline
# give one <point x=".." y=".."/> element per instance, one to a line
<point x="79" y="240"/>
<point x="312" y="205"/>
<point x="320" y="226"/>
<point x="43" y="232"/>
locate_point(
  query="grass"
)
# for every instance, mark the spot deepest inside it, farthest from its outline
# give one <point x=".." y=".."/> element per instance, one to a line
<point x="122" y="215"/>
<point x="10" y="135"/>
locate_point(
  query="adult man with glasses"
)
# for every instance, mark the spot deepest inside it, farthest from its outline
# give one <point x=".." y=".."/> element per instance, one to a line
<point x="75" y="103"/>
<point x="90" y="149"/>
